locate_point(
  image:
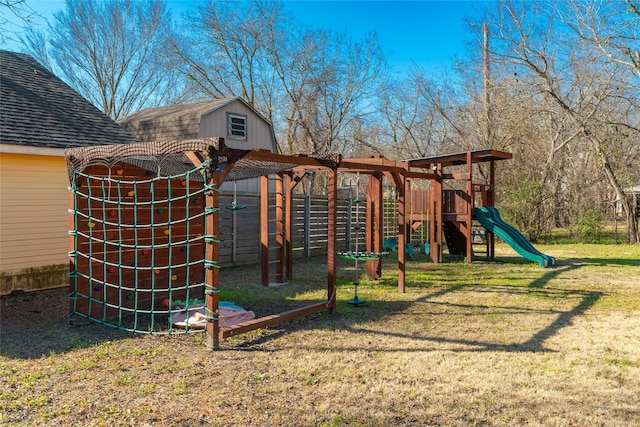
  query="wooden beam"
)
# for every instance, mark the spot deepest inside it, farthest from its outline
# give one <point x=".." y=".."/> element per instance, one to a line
<point x="373" y="165"/>
<point x="194" y="158"/>
<point x="274" y="319"/>
<point x="299" y="160"/>
<point x="462" y="175"/>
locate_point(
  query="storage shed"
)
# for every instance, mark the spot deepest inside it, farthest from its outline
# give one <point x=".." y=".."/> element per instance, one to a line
<point x="242" y="126"/>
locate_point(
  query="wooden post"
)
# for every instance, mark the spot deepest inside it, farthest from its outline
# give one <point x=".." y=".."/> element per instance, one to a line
<point x="471" y="204"/>
<point x="332" y="238"/>
<point x="374" y="235"/>
<point x="288" y="227"/>
<point x="402" y="190"/>
<point x="491" y="238"/>
<point x="307" y="217"/>
<point x="73" y="233"/>
<point x="212" y="255"/>
<point x="435" y="215"/>
<point x="264" y="229"/>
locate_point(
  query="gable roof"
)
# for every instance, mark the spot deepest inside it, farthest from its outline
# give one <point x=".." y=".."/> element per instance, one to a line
<point x="38" y="109"/>
<point x="175" y="122"/>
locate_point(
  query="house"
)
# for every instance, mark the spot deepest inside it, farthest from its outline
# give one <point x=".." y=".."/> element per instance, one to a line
<point x="631" y="193"/>
<point x="40" y="116"/>
<point x="234" y="119"/>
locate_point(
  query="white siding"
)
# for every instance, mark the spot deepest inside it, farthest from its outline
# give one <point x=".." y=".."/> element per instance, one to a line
<point x="259" y="133"/>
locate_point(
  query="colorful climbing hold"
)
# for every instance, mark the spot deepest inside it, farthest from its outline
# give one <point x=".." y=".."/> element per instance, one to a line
<point x="156" y="271"/>
<point x="113" y="213"/>
<point x="91" y="224"/>
<point x="160" y="210"/>
<point x="183" y="183"/>
<point x="174" y="277"/>
<point x="131" y="193"/>
<point x="145" y="251"/>
<point x="150" y="173"/>
<point x="98" y="288"/>
<point x="196" y="201"/>
<point x="183" y="249"/>
<point x="130" y="297"/>
<point x="167" y="232"/>
<point x="112" y="269"/>
<point x="120" y="172"/>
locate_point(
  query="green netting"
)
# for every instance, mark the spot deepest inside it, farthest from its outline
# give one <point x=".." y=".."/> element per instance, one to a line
<point x="139" y="245"/>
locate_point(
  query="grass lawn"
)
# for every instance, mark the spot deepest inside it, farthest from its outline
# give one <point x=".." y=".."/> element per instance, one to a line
<point x="503" y="343"/>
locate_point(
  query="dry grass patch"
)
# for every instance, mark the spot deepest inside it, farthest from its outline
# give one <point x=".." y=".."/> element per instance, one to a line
<point x="498" y="344"/>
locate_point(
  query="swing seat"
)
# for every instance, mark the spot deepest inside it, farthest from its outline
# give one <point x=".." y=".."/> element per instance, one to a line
<point x="425" y="248"/>
<point x="409" y="249"/>
<point x="391" y="244"/>
<point x="235" y="207"/>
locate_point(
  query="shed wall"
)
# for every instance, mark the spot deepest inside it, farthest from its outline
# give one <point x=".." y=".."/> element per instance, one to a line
<point x="34" y="217"/>
<point x="259" y="135"/>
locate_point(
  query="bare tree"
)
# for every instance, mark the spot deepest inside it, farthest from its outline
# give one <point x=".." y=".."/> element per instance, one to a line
<point x="573" y="79"/>
<point x="417" y="116"/>
<point x="14" y="16"/>
<point x="613" y="27"/>
<point x="113" y="52"/>
<point x="224" y="53"/>
<point x="314" y="85"/>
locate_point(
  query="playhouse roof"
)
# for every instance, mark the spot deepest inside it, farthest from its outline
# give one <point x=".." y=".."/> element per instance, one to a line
<point x="38" y="109"/>
<point x="461" y="158"/>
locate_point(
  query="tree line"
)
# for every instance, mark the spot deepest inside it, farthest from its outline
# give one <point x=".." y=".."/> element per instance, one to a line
<point x="556" y="83"/>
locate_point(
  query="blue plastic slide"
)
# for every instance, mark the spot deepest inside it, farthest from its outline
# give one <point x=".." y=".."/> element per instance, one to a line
<point x="491" y="220"/>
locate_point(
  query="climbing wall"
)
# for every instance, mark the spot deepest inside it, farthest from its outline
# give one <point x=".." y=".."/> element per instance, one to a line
<point x="137" y="242"/>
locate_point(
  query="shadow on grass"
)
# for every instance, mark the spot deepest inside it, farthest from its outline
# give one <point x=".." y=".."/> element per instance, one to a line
<point x="353" y="319"/>
<point x="624" y="262"/>
<point x="353" y="322"/>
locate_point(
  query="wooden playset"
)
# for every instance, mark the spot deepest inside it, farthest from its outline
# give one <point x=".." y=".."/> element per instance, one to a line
<point x="145" y="225"/>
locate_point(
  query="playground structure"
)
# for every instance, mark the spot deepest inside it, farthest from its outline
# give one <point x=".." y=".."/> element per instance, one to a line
<point x="145" y="225"/>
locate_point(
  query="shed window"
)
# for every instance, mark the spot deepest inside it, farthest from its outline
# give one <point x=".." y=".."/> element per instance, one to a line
<point x="237" y="126"/>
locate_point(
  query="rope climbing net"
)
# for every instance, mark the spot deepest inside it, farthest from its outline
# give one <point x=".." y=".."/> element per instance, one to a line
<point x="138" y="240"/>
<point x="139" y="245"/>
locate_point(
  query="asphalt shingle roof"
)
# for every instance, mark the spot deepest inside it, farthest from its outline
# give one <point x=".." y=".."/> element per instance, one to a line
<point x="170" y="123"/>
<point x="38" y="109"/>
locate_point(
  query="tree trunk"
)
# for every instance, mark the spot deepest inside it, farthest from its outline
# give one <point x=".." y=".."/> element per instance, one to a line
<point x="627" y="207"/>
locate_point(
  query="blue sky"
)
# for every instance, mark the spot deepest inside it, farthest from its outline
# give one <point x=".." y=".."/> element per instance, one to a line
<point x="428" y="32"/>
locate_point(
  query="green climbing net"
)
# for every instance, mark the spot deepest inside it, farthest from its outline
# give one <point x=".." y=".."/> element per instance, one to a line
<point x="138" y="245"/>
